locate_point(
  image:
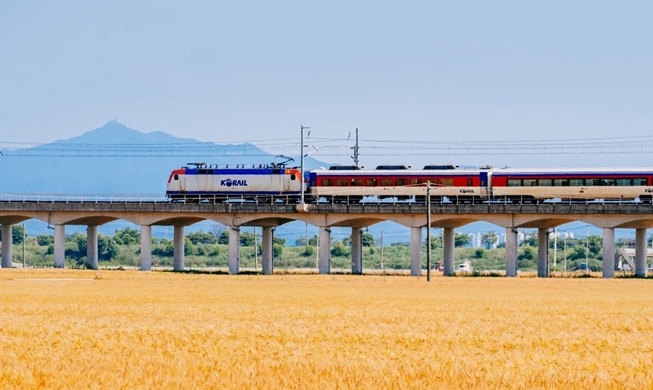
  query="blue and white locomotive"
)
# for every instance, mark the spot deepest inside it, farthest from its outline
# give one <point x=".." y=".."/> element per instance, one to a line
<point x="203" y="182"/>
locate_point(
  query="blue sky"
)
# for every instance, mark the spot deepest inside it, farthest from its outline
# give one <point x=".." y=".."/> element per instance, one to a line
<point x="418" y="70"/>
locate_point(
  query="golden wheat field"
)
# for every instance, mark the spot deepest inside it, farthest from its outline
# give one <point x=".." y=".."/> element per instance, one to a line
<point x="113" y="329"/>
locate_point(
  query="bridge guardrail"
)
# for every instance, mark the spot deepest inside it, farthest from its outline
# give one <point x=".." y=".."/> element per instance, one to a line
<point x="162" y="198"/>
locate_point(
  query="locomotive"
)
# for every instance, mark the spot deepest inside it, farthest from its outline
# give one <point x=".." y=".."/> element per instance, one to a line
<point x="201" y="182"/>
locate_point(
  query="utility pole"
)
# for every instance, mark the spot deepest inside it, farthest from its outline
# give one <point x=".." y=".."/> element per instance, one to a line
<point x="565" y="253"/>
<point x="301" y="179"/>
<point x="306" y="247"/>
<point x="555" y="248"/>
<point x="355" y="148"/>
<point x="428" y="231"/>
<point x="24" y="236"/>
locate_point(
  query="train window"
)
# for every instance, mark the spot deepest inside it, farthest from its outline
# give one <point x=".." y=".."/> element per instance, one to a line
<point x="514" y="183"/>
<point x="576" y="182"/>
<point x="592" y="182"/>
<point x="176" y="177"/>
<point x="401" y="182"/>
<point x="545" y="182"/>
<point x="624" y="182"/>
<point x="386" y="182"/>
<point x="357" y="182"/>
<point x="370" y="182"/>
<point x="327" y="182"/>
<point x="342" y="183"/>
<point x="415" y="182"/>
<point x="529" y="182"/>
<point x="446" y="182"/>
<point x="293" y="177"/>
<point x="639" y="182"/>
<point x="470" y="182"/>
<point x="607" y="182"/>
<point x="432" y="181"/>
<point x="561" y="182"/>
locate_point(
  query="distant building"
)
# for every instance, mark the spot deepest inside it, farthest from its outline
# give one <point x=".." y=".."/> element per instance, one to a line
<point x="476" y="240"/>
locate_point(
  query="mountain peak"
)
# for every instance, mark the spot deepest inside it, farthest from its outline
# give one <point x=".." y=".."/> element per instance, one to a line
<point x="115" y="132"/>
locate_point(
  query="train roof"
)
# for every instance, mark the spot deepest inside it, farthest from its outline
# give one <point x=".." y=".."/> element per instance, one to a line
<point x="399" y="172"/>
<point x="572" y="171"/>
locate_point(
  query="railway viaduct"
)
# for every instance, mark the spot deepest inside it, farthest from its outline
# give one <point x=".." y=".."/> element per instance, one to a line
<point x="60" y="213"/>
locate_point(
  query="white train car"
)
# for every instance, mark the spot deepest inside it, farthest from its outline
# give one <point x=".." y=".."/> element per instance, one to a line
<point x="210" y="183"/>
<point x="625" y="184"/>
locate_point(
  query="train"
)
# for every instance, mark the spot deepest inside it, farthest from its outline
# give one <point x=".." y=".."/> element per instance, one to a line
<point x="446" y="183"/>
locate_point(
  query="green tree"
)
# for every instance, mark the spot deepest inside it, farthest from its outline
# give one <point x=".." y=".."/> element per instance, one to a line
<point x="247" y="239"/>
<point x="462" y="240"/>
<point x="17" y="232"/>
<point x="368" y="240"/>
<point x="489" y="239"/>
<point x="479" y="253"/>
<point x="436" y="241"/>
<point x="339" y="249"/>
<point x="530" y="239"/>
<point x="279" y="241"/>
<point x="202" y="237"/>
<point x="44" y="239"/>
<point x="224" y="238"/>
<point x="277" y="250"/>
<point x="577" y="253"/>
<point x="165" y="249"/>
<point x="189" y="248"/>
<point x="107" y="248"/>
<point x="312" y="241"/>
<point x="596" y="245"/>
<point x="308" y="251"/>
<point x="529" y="253"/>
<point x="127" y="236"/>
<point x="80" y="239"/>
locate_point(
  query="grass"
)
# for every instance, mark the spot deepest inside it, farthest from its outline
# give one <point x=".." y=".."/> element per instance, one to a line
<point x="127" y="329"/>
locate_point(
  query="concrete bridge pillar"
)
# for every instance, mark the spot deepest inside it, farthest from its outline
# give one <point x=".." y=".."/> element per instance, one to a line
<point x="91" y="247"/>
<point x="59" y="245"/>
<point x="356" y="251"/>
<point x="640" y="252"/>
<point x="146" y="248"/>
<point x="234" y="250"/>
<point x="543" y="253"/>
<point x="608" y="253"/>
<point x="268" y="251"/>
<point x="511" y="251"/>
<point x="7" y="241"/>
<point x="178" y="258"/>
<point x="416" y="251"/>
<point x="449" y="246"/>
<point x="324" y="256"/>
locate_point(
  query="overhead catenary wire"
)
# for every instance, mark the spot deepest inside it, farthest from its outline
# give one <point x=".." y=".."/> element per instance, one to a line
<point x="334" y="147"/>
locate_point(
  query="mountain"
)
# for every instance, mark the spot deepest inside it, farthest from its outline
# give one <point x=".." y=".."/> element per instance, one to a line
<point x="109" y="160"/>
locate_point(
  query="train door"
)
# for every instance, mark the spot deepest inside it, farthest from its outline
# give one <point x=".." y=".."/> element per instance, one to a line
<point x="182" y="183"/>
<point x="203" y="179"/>
<point x="485" y="183"/>
<point x="286" y="182"/>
